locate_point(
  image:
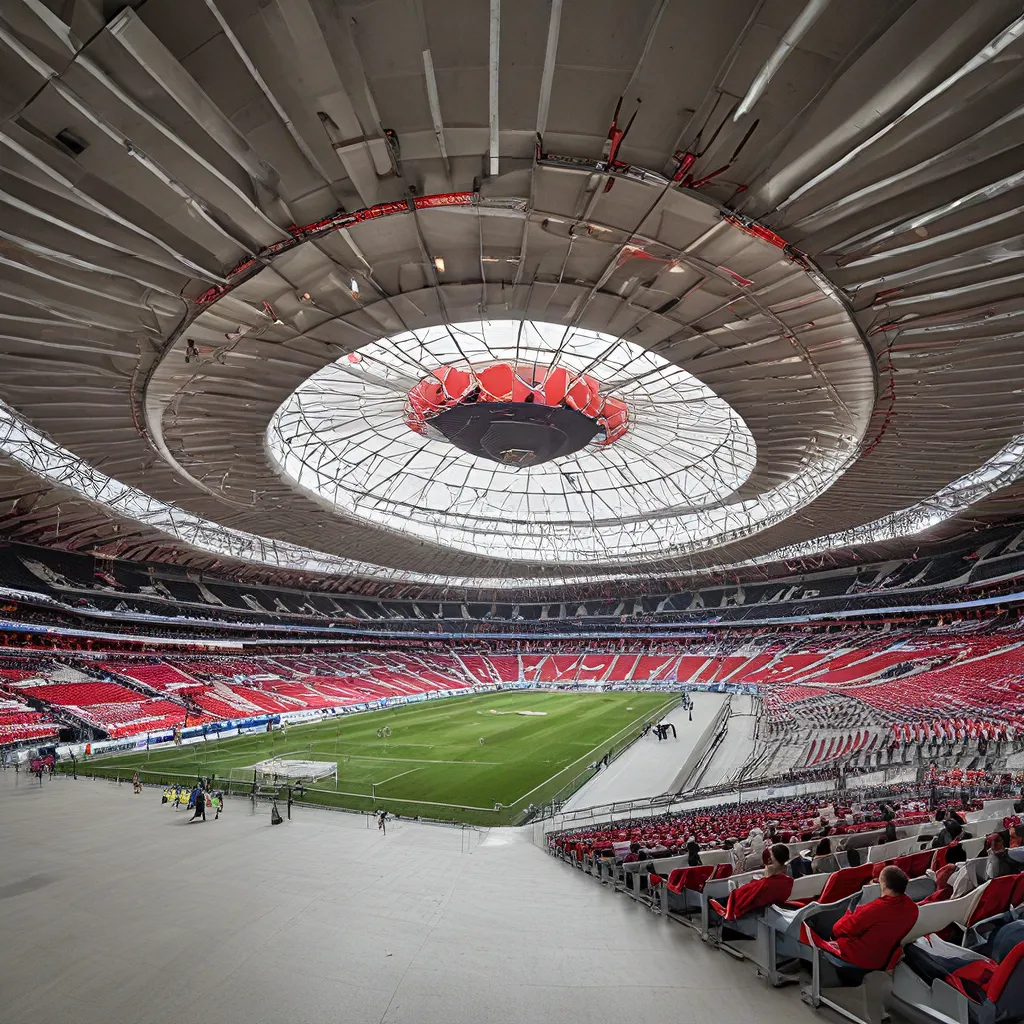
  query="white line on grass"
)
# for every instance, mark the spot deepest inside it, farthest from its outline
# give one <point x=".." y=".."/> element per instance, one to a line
<point x="398" y="776"/>
<point x="600" y="746"/>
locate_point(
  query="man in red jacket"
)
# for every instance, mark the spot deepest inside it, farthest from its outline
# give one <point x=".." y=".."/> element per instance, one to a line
<point x="774" y="887"/>
<point x="868" y="936"/>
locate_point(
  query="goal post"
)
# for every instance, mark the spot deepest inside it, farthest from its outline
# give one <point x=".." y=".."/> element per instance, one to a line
<point x="292" y="770"/>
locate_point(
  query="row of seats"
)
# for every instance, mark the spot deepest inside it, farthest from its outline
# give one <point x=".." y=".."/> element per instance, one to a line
<point x="21" y="723"/>
<point x="959" y="960"/>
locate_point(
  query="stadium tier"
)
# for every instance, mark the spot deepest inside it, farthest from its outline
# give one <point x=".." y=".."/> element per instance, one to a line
<point x="850" y="696"/>
<point x="20" y="723"/>
<point x="89" y="589"/>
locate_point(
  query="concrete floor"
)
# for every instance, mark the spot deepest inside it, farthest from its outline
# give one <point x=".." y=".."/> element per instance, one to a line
<point x="649" y="767"/>
<point x="114" y="909"/>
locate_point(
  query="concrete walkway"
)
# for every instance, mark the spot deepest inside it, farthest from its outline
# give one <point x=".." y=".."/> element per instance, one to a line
<point x="650" y="766"/>
<point x="737" y="746"/>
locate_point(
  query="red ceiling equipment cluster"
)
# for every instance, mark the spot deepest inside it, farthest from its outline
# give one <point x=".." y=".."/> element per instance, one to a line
<point x="555" y="387"/>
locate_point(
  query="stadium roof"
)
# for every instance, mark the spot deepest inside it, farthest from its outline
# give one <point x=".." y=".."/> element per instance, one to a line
<point x="236" y="238"/>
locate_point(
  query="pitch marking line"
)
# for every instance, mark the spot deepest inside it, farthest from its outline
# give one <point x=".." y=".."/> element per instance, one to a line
<point x="667" y="706"/>
<point x="398" y="776"/>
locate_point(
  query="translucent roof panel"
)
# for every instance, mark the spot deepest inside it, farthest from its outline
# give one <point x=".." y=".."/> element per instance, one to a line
<point x="667" y="484"/>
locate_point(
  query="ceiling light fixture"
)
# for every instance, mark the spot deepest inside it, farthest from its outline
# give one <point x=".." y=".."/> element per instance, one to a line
<point x="439" y="263"/>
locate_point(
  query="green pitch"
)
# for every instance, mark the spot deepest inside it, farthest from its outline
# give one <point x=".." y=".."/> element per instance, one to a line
<point x="433" y="764"/>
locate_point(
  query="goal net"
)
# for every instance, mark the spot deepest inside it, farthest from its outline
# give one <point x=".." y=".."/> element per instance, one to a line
<point x="288" y="770"/>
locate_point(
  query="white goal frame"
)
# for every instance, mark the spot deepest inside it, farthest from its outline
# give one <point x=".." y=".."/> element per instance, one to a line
<point x="296" y="770"/>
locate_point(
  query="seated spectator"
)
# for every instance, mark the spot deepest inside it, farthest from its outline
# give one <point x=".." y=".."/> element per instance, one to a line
<point x="999" y="862"/>
<point x="693" y="854"/>
<point x="737" y="855"/>
<point x="754" y="844"/>
<point x="952" y="832"/>
<point x="960" y="880"/>
<point x="824" y="861"/>
<point x="775" y="886"/>
<point x="866" y="937"/>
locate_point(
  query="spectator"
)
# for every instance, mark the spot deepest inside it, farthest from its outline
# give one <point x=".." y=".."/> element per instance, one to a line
<point x="1004" y="939"/>
<point x="999" y="862"/>
<point x="755" y="843"/>
<point x="775" y="886"/>
<point x="951" y="832"/>
<point x="737" y="855"/>
<point x="961" y="880"/>
<point x="200" y="804"/>
<point x="825" y="861"/>
<point x="868" y="936"/>
<point x="692" y="854"/>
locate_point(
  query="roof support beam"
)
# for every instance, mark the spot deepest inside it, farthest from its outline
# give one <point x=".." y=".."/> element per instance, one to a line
<point x="435" y="109"/>
<point x="244" y="57"/>
<point x="807" y="17"/>
<point x="144" y="47"/>
<point x="495" y="36"/>
<point x="550" y="59"/>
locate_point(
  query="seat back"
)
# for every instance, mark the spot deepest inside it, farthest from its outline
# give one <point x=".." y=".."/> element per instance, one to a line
<point x="663" y="865"/>
<point x="886" y="851"/>
<point x="675" y="876"/>
<point x="695" y="878"/>
<point x="973" y="847"/>
<point x="915" y="864"/>
<point x="845" y="883"/>
<point x="995" y="899"/>
<point x="933" y="917"/>
<point x="735" y="881"/>
<point x="985" y="827"/>
<point x="861" y="841"/>
<point x="723" y="870"/>
<point x="715" y="857"/>
<point x="976" y="869"/>
<point x="808" y="887"/>
<point x="991" y="809"/>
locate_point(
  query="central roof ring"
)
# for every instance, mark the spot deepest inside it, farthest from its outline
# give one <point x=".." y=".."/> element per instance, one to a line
<point x="621" y="454"/>
<point x="518" y="414"/>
